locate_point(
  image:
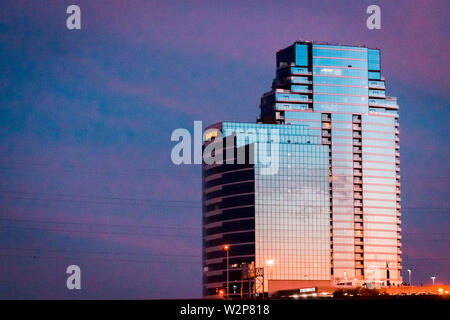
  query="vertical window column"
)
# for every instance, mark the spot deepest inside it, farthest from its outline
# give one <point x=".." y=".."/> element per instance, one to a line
<point x="398" y="198"/>
<point x="326" y="139"/>
<point x="358" y="197"/>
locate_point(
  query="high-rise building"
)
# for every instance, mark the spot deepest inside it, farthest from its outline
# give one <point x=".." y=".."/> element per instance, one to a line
<point x="324" y="210"/>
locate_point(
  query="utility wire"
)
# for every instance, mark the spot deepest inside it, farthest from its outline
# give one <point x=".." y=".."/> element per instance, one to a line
<point x="115" y="200"/>
<point x="94" y="258"/>
<point x="6" y="165"/>
<point x="101" y="232"/>
<point x="98" y="224"/>
<point x="164" y="235"/>
<point x="180" y="205"/>
<point x="160" y="261"/>
<point x="161" y="227"/>
<point x="97" y="197"/>
<point x="100" y="252"/>
<point x="153" y="172"/>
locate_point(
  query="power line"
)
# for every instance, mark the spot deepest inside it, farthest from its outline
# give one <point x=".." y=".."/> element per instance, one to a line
<point x="425" y="233"/>
<point x="161" y="227"/>
<point x="159" y="261"/>
<point x="425" y="178"/>
<point x="102" y="167"/>
<point x="100" y="252"/>
<point x="426" y="208"/>
<point x="423" y="240"/>
<point x="119" y="170"/>
<point x="96" y="197"/>
<point x="426" y="259"/>
<point x="34" y="256"/>
<point x="93" y="258"/>
<point x="428" y="265"/>
<point x="102" y="232"/>
<point x="153" y="200"/>
<point x="61" y="197"/>
<point x="101" y="202"/>
<point x="154" y="172"/>
<point x="98" y="224"/>
<point x="165" y="235"/>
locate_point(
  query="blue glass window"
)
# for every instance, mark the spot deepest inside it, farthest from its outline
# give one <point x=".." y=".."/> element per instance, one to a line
<point x="301" y="55"/>
<point x="331" y="71"/>
<point x="299" y="70"/>
<point x="339" y="62"/>
<point x="340" y="52"/>
<point x="374" y="75"/>
<point x="318" y="79"/>
<point x="290" y="97"/>
<point x="377" y="93"/>
<point x="361" y="91"/>
<point x="299" y="88"/>
<point x="373" y="56"/>
<point x="377" y="84"/>
<point x="291" y="106"/>
<point x="339" y="98"/>
<point x="377" y="102"/>
<point x="299" y="80"/>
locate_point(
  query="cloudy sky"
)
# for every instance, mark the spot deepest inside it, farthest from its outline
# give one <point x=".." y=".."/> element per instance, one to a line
<point x="86" y="118"/>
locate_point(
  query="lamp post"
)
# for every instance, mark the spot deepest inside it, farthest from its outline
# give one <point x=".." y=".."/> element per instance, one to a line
<point x="409" y="274"/>
<point x="270" y="263"/>
<point x="227" y="249"/>
<point x="433" y="278"/>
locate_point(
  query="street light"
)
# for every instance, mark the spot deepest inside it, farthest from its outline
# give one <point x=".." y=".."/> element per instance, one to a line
<point x="270" y="263"/>
<point x="409" y="273"/>
<point x="227" y="249"/>
<point x="433" y="278"/>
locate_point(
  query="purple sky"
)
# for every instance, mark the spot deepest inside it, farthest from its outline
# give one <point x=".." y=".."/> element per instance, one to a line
<point x="86" y="118"/>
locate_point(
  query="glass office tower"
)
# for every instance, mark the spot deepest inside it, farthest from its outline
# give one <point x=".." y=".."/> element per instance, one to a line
<point x="331" y="212"/>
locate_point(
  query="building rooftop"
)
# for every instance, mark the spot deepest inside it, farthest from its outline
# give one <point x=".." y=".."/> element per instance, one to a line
<point x="332" y="44"/>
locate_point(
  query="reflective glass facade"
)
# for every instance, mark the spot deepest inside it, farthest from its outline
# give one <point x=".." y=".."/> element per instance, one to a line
<point x="292" y="207"/>
<point x="332" y="210"/>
